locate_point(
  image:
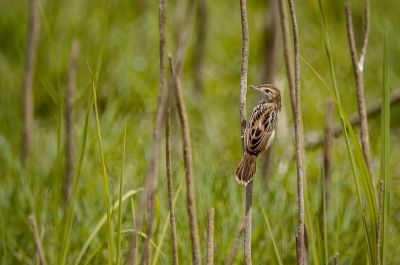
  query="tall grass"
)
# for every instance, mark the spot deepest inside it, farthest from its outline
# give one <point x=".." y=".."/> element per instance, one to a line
<point x="66" y="241"/>
<point x="101" y="223"/>
<point x="358" y="165"/>
<point x="106" y="193"/>
<point x="267" y="222"/>
<point x="385" y="149"/>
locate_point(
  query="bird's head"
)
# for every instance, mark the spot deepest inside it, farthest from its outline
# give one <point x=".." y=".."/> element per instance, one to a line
<point x="270" y="92"/>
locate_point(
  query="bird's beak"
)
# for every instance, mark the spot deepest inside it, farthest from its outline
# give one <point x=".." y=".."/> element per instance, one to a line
<point x="260" y="87"/>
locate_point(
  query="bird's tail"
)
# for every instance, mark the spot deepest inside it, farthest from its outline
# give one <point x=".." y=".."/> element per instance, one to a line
<point x="246" y="169"/>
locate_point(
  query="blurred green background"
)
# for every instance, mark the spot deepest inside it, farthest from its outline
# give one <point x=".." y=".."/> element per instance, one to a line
<point x="120" y="41"/>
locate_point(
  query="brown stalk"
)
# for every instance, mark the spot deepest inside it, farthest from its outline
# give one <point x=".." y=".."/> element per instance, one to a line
<point x="153" y="167"/>
<point x="31" y="55"/>
<point x="358" y="67"/>
<point x="202" y="24"/>
<point x="379" y="226"/>
<point x="355" y="120"/>
<point x="286" y="51"/>
<point x="328" y="137"/>
<point x="271" y="42"/>
<point x="170" y="190"/>
<point x="184" y="37"/>
<point x="176" y="69"/>
<point x="210" y="237"/>
<point x="187" y="153"/>
<point x="243" y="115"/>
<point x="235" y="245"/>
<point x="69" y="117"/>
<point x="299" y="136"/>
<point x="270" y="63"/>
<point x="38" y="241"/>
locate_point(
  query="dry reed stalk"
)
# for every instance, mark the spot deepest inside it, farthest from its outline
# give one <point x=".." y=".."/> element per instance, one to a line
<point x="187" y="153"/>
<point x="243" y="115"/>
<point x="286" y="51"/>
<point x="328" y="137"/>
<point x="379" y="226"/>
<point x="170" y="190"/>
<point x="271" y="42"/>
<point x="69" y="117"/>
<point x="176" y="69"/>
<point x="199" y="54"/>
<point x="299" y="136"/>
<point x="153" y="167"/>
<point x="184" y="37"/>
<point x="358" y="67"/>
<point x="210" y="237"/>
<point x="38" y="241"/>
<point x="235" y="245"/>
<point x="355" y="120"/>
<point x="270" y="63"/>
<point x="31" y="55"/>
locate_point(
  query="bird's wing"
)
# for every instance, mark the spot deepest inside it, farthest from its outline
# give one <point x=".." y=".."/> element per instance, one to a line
<point x="260" y="128"/>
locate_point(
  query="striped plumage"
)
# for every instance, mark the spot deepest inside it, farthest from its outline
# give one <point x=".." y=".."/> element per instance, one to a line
<point x="260" y="131"/>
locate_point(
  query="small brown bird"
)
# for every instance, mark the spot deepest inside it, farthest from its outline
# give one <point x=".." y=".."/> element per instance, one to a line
<point x="260" y="131"/>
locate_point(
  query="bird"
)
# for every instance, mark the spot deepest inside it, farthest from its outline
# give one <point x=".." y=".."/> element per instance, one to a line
<point x="260" y="130"/>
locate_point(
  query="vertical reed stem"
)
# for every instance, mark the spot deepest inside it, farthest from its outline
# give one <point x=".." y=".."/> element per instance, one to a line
<point x="210" y="237"/>
<point x="153" y="167"/>
<point x="38" y="241"/>
<point x="188" y="160"/>
<point x="243" y="115"/>
<point x="358" y="67"/>
<point x="170" y="190"/>
<point x="69" y="118"/>
<point x="299" y="136"/>
<point x="31" y="54"/>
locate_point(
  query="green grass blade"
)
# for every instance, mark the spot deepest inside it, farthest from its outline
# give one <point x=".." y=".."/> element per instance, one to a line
<point x="101" y="223"/>
<point x="278" y="256"/>
<point x="106" y="193"/>
<point x="385" y="149"/>
<point x="69" y="219"/>
<point x="121" y="179"/>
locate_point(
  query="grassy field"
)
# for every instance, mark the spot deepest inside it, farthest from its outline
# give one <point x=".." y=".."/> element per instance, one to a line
<point x="119" y="39"/>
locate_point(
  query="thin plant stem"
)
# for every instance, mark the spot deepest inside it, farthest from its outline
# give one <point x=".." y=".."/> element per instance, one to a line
<point x="379" y="226"/>
<point x="299" y="136"/>
<point x="170" y="191"/>
<point x="106" y="192"/>
<point x="188" y="161"/>
<point x="31" y="55"/>
<point x="287" y="51"/>
<point x="69" y="119"/>
<point x="121" y="181"/>
<point x="153" y="168"/>
<point x="210" y="237"/>
<point x="358" y="67"/>
<point x="327" y="157"/>
<point x="202" y="26"/>
<point x="184" y="38"/>
<point x="38" y="241"/>
<point x="270" y="66"/>
<point x="235" y="245"/>
<point x="243" y="115"/>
